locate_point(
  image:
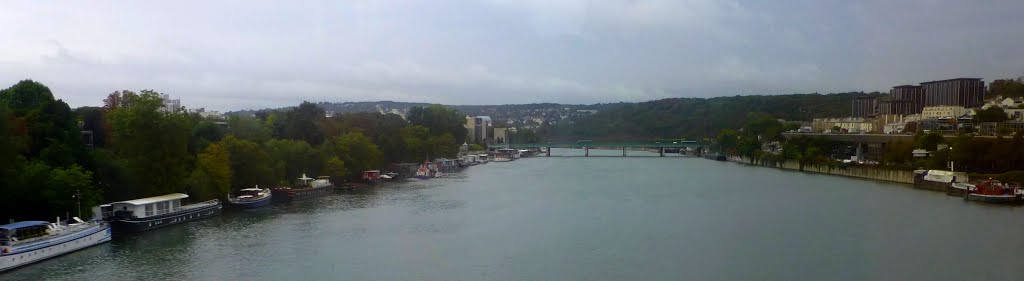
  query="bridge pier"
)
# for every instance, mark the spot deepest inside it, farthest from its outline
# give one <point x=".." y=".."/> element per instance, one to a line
<point x="661" y="151"/>
<point x="860" y="152"/>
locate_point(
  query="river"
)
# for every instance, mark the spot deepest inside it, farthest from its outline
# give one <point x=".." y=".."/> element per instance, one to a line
<point x="576" y="218"/>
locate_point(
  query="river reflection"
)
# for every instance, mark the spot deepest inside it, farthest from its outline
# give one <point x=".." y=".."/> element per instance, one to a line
<point x="582" y="218"/>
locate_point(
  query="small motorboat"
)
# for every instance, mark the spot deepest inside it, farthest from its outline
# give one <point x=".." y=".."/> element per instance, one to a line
<point x="250" y="198"/>
<point x="423" y="173"/>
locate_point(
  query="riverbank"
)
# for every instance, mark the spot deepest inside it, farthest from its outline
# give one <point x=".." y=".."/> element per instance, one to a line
<point x="864" y="172"/>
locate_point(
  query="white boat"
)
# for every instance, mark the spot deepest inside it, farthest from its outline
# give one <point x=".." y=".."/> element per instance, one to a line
<point x="25" y="242"/>
<point x="505" y="155"/>
<point x="502" y="158"/>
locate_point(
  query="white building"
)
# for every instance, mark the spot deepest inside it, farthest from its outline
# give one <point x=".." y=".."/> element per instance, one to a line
<point x="170" y="105"/>
<point x="898" y="123"/>
<point x="849" y="125"/>
<point x="944" y="111"/>
<point x="470" y="129"/>
<point x="211" y="114"/>
<point x="1003" y="103"/>
<point x="477" y="128"/>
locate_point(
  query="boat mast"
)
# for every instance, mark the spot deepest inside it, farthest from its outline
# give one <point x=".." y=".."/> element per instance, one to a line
<point x="78" y="201"/>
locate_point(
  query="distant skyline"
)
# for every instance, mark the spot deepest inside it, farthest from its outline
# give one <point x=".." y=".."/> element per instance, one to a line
<point x="233" y="55"/>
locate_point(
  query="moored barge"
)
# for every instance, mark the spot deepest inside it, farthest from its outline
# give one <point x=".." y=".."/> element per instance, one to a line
<point x="155" y="212"/>
<point x="310" y="188"/>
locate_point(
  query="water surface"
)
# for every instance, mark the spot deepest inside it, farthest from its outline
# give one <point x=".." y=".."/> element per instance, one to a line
<point x="575" y="218"/>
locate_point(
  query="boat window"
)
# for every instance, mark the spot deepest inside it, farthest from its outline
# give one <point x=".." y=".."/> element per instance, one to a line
<point x="149" y="210"/>
<point x="162" y="208"/>
<point x="30" y="232"/>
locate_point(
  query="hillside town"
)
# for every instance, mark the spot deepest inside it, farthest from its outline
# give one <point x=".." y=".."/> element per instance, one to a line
<point x="946" y="106"/>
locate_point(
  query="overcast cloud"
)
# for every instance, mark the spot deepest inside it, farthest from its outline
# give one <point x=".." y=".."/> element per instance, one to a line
<point x="254" y="54"/>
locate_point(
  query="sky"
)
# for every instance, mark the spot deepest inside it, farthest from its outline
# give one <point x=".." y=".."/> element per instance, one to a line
<point x="231" y="55"/>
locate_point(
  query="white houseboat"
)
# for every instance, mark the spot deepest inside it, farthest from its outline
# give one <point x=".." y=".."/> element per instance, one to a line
<point x="25" y="242"/>
<point x="153" y="212"/>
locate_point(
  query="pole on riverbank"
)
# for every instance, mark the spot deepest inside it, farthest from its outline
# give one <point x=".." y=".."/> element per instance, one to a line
<point x="661" y="151"/>
<point x="586" y="152"/>
<point x="623" y="151"/>
<point x="548" y="151"/>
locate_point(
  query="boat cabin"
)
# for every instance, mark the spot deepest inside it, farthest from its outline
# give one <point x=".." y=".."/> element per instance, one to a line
<point x="371" y="175"/>
<point x="321" y="181"/>
<point x="249" y="193"/>
<point x="22" y="230"/>
<point x="147" y="207"/>
<point x="507" y="153"/>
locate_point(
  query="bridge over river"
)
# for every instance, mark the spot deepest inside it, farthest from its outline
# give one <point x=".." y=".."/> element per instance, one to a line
<point x="660" y="144"/>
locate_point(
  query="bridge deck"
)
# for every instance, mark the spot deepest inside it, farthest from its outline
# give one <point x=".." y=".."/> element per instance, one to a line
<point x="647" y="144"/>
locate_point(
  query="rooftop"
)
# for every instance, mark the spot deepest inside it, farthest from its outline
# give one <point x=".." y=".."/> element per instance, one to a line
<point x="154" y="199"/>
<point x="947" y="80"/>
<point x="23" y="224"/>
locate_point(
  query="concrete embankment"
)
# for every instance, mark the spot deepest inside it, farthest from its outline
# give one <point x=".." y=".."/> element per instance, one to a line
<point x="863" y="172"/>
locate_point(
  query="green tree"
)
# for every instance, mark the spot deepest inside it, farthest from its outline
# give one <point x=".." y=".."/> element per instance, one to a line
<point x="301" y="124"/>
<point x="72" y="190"/>
<point x="334" y="168"/>
<point x="204" y="133"/>
<point x="898" y="153"/>
<point x="991" y="114"/>
<point x="356" y="151"/>
<point x="1007" y="88"/>
<point x="929" y="142"/>
<point x="93" y="119"/>
<point x="939" y="160"/>
<point x="728" y="142"/>
<point x="212" y="176"/>
<point x="250" y="164"/>
<point x="443" y="146"/>
<point x="416" y="144"/>
<point x="248" y="128"/>
<point x="439" y="120"/>
<point x="153" y="144"/>
<point x="25" y="96"/>
<point x="292" y="158"/>
<point x="52" y="128"/>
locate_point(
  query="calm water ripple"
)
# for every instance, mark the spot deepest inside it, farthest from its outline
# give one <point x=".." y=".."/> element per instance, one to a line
<point x="567" y="218"/>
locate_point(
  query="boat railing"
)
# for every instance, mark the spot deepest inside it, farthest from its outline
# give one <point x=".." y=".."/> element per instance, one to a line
<point x="201" y="204"/>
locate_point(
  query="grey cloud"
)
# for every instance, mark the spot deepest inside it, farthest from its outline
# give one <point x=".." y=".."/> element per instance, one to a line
<point x="233" y="55"/>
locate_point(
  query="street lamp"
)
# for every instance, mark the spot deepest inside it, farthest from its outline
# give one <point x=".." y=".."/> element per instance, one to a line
<point x="951" y="166"/>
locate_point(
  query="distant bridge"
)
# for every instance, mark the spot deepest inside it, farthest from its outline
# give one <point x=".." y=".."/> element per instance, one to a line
<point x="661" y="145"/>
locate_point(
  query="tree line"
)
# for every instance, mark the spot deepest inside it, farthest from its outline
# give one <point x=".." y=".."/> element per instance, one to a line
<point x="140" y="148"/>
<point x="695" y="118"/>
<point x="1001" y="157"/>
